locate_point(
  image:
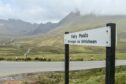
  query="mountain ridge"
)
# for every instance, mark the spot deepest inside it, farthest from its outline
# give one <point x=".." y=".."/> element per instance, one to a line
<point x="52" y="39"/>
<point x="13" y="27"/>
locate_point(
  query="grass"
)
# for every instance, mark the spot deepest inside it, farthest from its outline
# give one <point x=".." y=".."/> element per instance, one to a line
<point x="51" y="46"/>
<point x="60" y="57"/>
<point x="10" y="53"/>
<point x="55" y="52"/>
<point x="94" y="76"/>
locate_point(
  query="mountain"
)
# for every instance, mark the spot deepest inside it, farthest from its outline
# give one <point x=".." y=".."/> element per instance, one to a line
<point x="16" y="28"/>
<point x="50" y="36"/>
<point x="43" y="28"/>
<point x="72" y="16"/>
<point x="53" y="40"/>
<point x="13" y="27"/>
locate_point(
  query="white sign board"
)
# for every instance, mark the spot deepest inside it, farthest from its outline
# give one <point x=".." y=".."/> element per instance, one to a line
<point x="93" y="37"/>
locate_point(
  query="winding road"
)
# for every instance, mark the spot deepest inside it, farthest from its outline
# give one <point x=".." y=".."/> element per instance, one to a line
<point x="11" y="68"/>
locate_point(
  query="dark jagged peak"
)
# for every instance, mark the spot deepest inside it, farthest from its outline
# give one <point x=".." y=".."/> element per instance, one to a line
<point x="14" y="20"/>
<point x="76" y="12"/>
<point x="2" y="21"/>
<point x="90" y="15"/>
<point x="44" y="27"/>
<point x="17" y="21"/>
<point x="10" y="19"/>
<point x="73" y="13"/>
<point x="70" y="17"/>
<point x="49" y="23"/>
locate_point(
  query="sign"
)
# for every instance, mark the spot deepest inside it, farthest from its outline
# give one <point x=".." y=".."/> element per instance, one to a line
<point x="105" y="36"/>
<point x="93" y="37"/>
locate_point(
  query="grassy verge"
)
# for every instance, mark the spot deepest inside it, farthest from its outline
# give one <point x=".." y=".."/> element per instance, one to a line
<point x="94" y="76"/>
<point x="12" y="53"/>
<point x="60" y="57"/>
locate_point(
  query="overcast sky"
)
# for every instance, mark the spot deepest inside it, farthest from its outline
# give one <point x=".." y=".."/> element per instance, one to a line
<point x="37" y="11"/>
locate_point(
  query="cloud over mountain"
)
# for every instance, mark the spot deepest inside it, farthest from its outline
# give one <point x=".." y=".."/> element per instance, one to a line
<point x="54" y="10"/>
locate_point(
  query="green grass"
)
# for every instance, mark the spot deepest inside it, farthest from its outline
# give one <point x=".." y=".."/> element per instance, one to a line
<point x="60" y="57"/>
<point x="11" y="52"/>
<point x="94" y="76"/>
<point x="51" y="46"/>
<point x="56" y="53"/>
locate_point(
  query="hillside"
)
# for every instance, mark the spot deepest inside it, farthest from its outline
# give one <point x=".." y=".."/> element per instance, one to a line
<point x="17" y="28"/>
<point x="53" y="40"/>
<point x="49" y="37"/>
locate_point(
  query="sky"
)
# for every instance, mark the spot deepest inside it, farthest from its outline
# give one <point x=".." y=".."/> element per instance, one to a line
<point x="37" y="11"/>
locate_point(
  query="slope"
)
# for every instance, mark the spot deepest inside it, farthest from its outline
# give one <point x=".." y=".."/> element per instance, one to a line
<point x="75" y="22"/>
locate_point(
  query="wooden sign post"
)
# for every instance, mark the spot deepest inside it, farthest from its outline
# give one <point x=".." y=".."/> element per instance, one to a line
<point x="104" y="36"/>
<point x="66" y="62"/>
<point x="110" y="56"/>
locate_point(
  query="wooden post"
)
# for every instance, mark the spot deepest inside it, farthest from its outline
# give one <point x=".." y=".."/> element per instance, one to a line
<point x="110" y="56"/>
<point x="66" y="62"/>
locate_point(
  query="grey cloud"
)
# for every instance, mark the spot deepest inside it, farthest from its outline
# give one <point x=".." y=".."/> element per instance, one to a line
<point x="54" y="10"/>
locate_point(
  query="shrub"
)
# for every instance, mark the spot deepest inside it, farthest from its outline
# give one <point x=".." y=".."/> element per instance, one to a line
<point x="10" y="59"/>
<point x="40" y="59"/>
<point x="48" y="59"/>
<point x="20" y="59"/>
<point x="28" y="59"/>
<point x="36" y="59"/>
<point x="79" y="59"/>
<point x="2" y="59"/>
